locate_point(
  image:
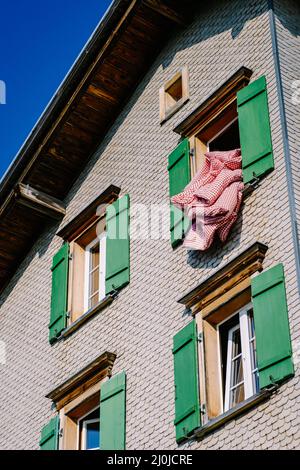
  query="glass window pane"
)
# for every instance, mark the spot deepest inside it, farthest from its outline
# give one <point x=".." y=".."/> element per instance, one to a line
<point x="94" y="300"/>
<point x="236" y="340"/>
<point x="237" y="371"/>
<point x="237" y="395"/>
<point x="94" y="282"/>
<point x="251" y="323"/>
<point x="92" y="435"/>
<point x="95" y="257"/>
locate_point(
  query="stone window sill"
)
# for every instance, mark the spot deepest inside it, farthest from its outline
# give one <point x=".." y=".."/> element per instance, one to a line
<point x="86" y="317"/>
<point x="238" y="410"/>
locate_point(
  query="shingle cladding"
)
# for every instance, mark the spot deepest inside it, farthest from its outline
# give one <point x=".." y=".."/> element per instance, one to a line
<point x="140" y="324"/>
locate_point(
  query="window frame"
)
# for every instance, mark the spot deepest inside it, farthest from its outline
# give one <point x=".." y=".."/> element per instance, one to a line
<point x="81" y="433"/>
<point x="101" y="240"/>
<point x="165" y="111"/>
<point x="243" y="326"/>
<point x="205" y="360"/>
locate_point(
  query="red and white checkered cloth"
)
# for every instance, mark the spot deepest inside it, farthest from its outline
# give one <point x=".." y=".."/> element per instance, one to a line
<point x="212" y="199"/>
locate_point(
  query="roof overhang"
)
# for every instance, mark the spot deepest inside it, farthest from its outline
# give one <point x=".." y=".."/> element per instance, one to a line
<point x="103" y="78"/>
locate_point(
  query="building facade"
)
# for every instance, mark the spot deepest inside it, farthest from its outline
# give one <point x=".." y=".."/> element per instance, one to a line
<point x="130" y="313"/>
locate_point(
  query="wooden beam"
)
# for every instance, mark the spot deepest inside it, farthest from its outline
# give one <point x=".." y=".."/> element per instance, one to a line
<point x="214" y="104"/>
<point x="39" y="201"/>
<point x="85" y="378"/>
<point x="234" y="272"/>
<point x="89" y="214"/>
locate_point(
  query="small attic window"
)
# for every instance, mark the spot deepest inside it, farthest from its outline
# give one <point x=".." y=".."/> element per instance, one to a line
<point x="174" y="94"/>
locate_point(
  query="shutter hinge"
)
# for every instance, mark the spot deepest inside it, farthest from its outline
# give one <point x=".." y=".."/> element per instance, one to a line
<point x="115" y="292"/>
<point x="68" y="315"/>
<point x="203" y="409"/>
<point x="254" y="184"/>
<point x="192" y="152"/>
<point x="200" y="337"/>
<point x="274" y="386"/>
<point x="61" y="432"/>
<point x="71" y="256"/>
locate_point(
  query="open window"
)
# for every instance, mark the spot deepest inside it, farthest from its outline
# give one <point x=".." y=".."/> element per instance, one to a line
<point x="93" y="263"/>
<point x="214" y="124"/>
<point x="237" y="350"/>
<point x="234" y="375"/>
<point x="239" y="364"/>
<point x="236" y="115"/>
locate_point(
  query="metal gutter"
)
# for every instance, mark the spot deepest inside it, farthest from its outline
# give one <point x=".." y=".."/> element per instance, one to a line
<point x="62" y="95"/>
<point x="285" y="138"/>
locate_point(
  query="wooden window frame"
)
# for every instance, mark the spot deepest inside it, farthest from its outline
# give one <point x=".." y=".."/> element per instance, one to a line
<point x="168" y="110"/>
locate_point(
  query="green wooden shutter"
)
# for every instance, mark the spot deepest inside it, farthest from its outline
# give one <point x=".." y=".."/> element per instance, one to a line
<point x="179" y="176"/>
<point x="255" y="130"/>
<point x="49" y="435"/>
<point x="117" y="245"/>
<point x="187" y="407"/>
<point x="273" y="343"/>
<point x="59" y="298"/>
<point x="113" y="413"/>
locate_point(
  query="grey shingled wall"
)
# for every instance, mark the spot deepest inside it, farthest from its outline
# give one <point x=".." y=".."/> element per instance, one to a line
<point x="140" y="324"/>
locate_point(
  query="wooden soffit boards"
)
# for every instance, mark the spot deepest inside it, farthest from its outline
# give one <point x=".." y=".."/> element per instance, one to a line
<point x="223" y="97"/>
<point x="89" y="214"/>
<point x="236" y="272"/>
<point x="104" y="77"/>
<point x="84" y="379"/>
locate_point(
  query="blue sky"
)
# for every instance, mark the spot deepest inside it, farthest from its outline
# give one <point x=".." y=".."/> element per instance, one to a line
<point x="39" y="42"/>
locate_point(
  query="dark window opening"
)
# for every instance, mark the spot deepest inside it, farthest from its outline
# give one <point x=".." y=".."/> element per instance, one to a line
<point x="229" y="139"/>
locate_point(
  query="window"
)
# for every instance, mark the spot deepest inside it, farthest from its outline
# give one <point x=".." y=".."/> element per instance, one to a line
<point x="235" y="116"/>
<point x="240" y="374"/>
<point x="92" y="264"/>
<point x="228" y="367"/>
<point x="89" y="431"/>
<point x="87" y="269"/>
<point x="174" y="94"/>
<point x="91" y="410"/>
<point x="95" y="257"/>
<point x="237" y="349"/>
<point x="220" y="134"/>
